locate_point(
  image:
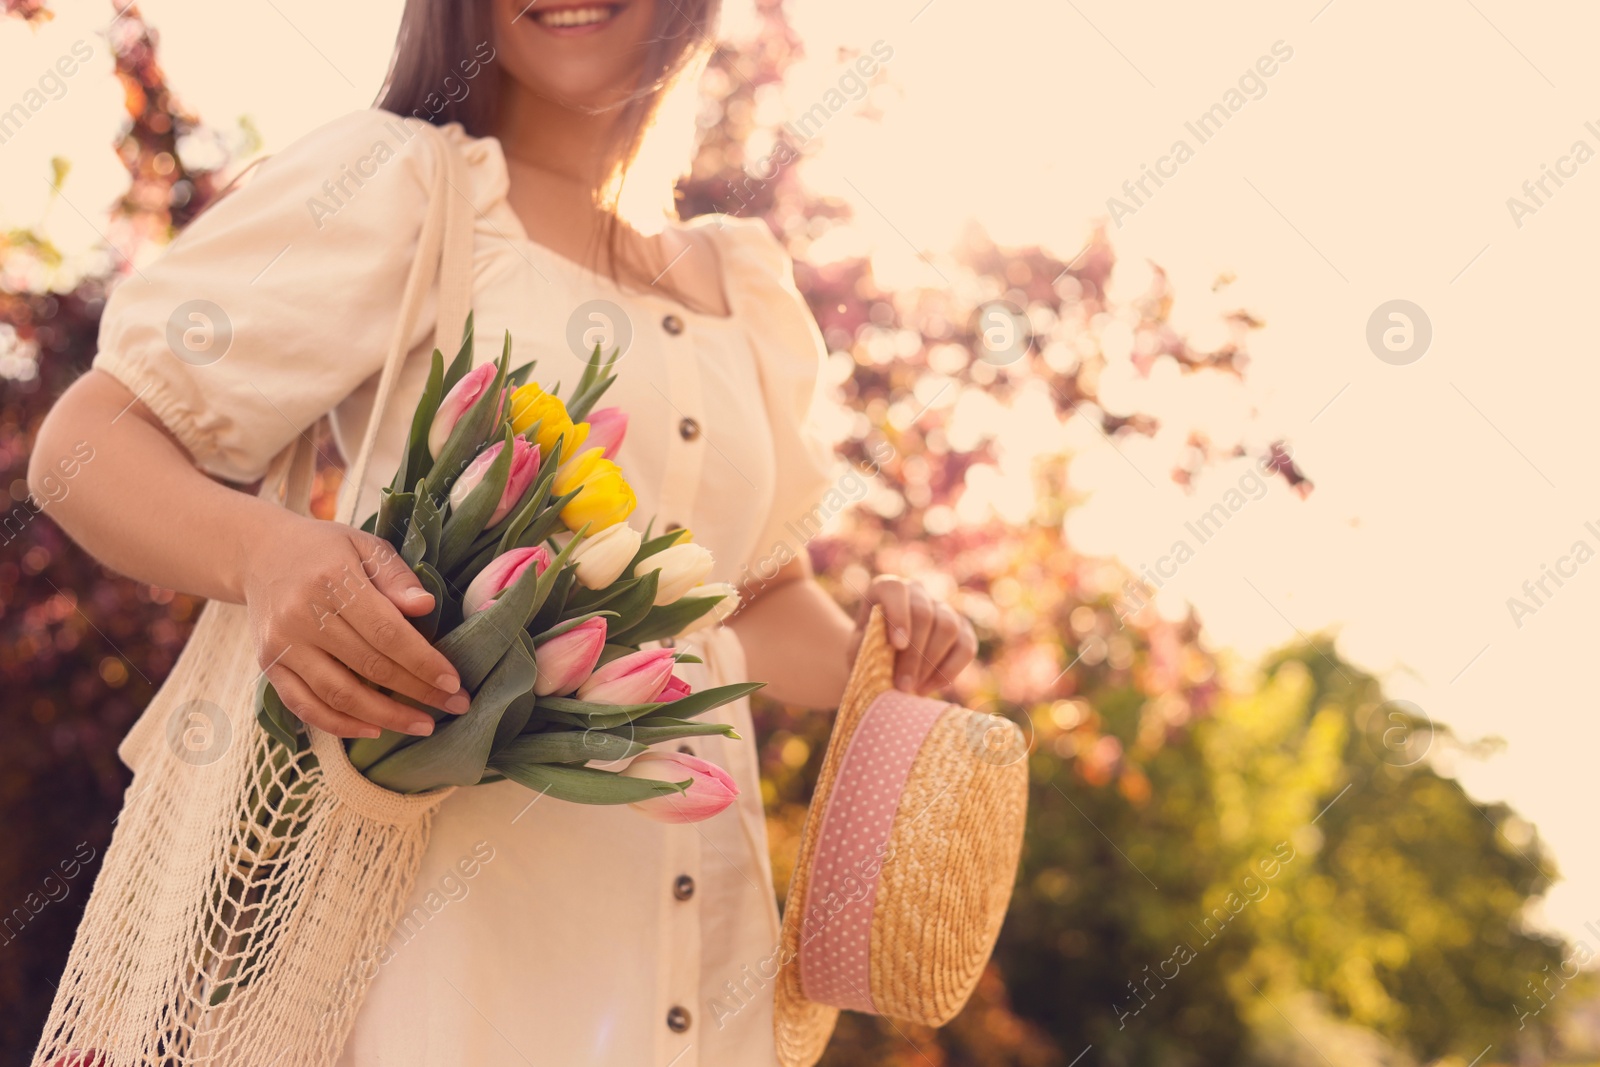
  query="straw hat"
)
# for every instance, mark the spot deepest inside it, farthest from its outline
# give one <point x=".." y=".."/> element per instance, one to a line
<point x="906" y="860"/>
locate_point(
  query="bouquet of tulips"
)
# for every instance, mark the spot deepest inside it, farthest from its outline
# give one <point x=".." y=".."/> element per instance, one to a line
<point x="511" y="510"/>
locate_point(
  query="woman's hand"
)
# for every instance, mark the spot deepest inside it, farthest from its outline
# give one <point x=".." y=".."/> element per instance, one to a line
<point x="328" y="607"/>
<point x="327" y="604"/>
<point x="932" y="642"/>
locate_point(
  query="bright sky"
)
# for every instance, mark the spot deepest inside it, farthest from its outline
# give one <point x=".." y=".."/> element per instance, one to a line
<point x="1374" y="164"/>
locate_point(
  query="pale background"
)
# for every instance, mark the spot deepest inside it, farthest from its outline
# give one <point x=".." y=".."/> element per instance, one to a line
<point x="1377" y="166"/>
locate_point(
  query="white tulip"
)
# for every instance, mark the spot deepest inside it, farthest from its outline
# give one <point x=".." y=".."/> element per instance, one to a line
<point x="682" y="567"/>
<point x="601" y="559"/>
<point x="719" y="611"/>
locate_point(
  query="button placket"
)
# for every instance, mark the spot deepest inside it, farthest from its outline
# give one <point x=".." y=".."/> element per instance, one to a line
<point x="685" y="448"/>
<point x="681" y="933"/>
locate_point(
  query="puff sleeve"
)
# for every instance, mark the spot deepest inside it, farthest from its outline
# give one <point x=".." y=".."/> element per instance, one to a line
<point x="789" y="352"/>
<point x="279" y="300"/>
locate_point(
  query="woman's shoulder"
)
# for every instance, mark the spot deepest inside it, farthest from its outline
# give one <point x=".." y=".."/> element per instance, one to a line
<point x="757" y="273"/>
<point x="748" y="242"/>
<point x="375" y="158"/>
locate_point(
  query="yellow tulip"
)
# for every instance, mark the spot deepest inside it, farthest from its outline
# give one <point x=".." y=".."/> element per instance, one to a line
<point x="604" y="502"/>
<point x="531" y="404"/>
<point x="604" y="499"/>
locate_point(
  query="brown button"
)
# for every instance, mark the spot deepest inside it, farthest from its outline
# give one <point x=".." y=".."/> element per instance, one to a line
<point x="677" y="1019"/>
<point x="672" y="324"/>
<point x="674" y="526"/>
<point x="686" y="750"/>
<point x="688" y="429"/>
<point x="683" y="887"/>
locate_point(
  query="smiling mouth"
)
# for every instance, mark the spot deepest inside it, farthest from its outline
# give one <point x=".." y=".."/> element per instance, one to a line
<point x="574" y="18"/>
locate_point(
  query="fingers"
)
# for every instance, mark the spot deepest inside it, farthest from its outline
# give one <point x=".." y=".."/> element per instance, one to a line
<point x="955" y="661"/>
<point x="942" y="637"/>
<point x="375" y="617"/>
<point x="933" y="642"/>
<point x="339" y="690"/>
<point x="894" y="597"/>
<point x="912" y="663"/>
<point x="351" y="649"/>
<point x="389" y="574"/>
<point x="298" y="698"/>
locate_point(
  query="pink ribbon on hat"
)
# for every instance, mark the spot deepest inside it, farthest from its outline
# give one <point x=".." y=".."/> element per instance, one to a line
<point x="853" y="847"/>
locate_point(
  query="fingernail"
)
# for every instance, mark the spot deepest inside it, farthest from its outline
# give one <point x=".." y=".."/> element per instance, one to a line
<point x="371" y="733"/>
<point x="419" y="594"/>
<point x="420" y="729"/>
<point x="904" y="683"/>
<point x="458" y="703"/>
<point x="448" y="682"/>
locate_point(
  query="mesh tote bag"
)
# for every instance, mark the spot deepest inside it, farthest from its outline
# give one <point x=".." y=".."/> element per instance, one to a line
<point x="248" y="892"/>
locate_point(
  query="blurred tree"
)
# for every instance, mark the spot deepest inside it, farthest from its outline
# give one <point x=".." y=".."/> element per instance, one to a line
<point x="81" y="649"/>
<point x="1392" y="927"/>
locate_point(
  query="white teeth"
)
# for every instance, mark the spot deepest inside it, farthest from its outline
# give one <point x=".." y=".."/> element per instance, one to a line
<point x="574" y="16"/>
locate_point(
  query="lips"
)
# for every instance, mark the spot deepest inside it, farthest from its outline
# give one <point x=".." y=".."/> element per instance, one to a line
<point x="574" y="18"/>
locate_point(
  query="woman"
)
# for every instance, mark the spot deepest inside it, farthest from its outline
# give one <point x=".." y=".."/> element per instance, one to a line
<point x="568" y="934"/>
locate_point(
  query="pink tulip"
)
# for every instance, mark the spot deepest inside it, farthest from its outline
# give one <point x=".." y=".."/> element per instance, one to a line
<point x="567" y="660"/>
<point x="710" y="788"/>
<point x="676" y="689"/>
<point x="501" y="574"/>
<point x="637" y="678"/>
<point x="524" y="468"/>
<point x="607" y="428"/>
<point x="461" y="396"/>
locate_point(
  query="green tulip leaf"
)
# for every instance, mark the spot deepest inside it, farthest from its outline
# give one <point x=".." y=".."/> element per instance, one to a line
<point x="519" y="377"/>
<point x="550" y="612"/>
<point x="433" y="582"/>
<point x="515" y="720"/>
<point x="394" y="514"/>
<point x="424" y="528"/>
<point x="463" y="361"/>
<point x="567" y="746"/>
<point x="586" y="785"/>
<point x="458" y="751"/>
<point x="654" y="729"/>
<point x="281" y="724"/>
<point x="686" y="707"/>
<point x="414" y="458"/>
<point x="634" y="606"/>
<point x="667" y="620"/>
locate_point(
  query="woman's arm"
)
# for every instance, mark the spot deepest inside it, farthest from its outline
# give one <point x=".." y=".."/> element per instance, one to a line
<point x="326" y="602"/>
<point x="802" y="644"/>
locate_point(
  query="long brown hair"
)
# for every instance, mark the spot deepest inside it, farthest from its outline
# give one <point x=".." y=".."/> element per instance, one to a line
<point x="439" y="39"/>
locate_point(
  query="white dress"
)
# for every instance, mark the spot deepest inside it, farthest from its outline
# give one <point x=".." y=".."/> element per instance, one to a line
<point x="539" y="932"/>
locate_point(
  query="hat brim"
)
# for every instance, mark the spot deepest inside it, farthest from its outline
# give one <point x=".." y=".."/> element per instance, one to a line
<point x="802" y="1027"/>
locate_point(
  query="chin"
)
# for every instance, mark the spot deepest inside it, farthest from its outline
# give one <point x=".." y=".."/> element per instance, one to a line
<point x="577" y="52"/>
